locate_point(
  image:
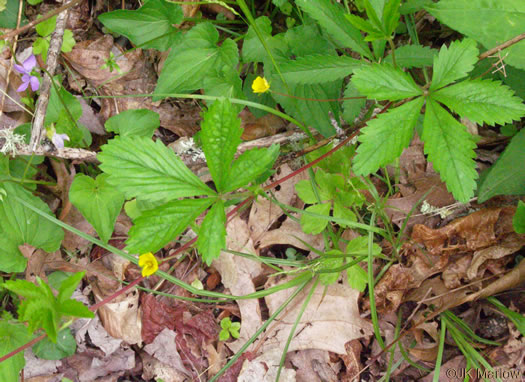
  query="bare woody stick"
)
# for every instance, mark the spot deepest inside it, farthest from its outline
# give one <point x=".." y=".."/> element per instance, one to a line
<point x="52" y="59"/>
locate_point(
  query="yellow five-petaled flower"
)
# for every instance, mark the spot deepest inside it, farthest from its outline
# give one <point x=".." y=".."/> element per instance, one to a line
<point x="148" y="263"/>
<point x="260" y="85"/>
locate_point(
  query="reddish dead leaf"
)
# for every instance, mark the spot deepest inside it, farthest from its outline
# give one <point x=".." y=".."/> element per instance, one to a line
<point x="155" y="317"/>
<point x="232" y="374"/>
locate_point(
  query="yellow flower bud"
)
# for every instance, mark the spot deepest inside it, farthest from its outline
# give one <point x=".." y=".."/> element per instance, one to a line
<point x="148" y="263"/>
<point x="260" y="85"/>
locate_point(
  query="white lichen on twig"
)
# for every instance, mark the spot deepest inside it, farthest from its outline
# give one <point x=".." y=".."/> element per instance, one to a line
<point x="9" y="141"/>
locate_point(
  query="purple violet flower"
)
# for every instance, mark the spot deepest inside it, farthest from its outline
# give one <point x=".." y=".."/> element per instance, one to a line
<point x="58" y="140"/>
<point x="25" y="69"/>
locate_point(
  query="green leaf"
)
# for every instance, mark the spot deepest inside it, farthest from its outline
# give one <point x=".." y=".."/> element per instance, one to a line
<point x="357" y="277"/>
<point x="151" y="26"/>
<point x="98" y="201"/>
<point x="490" y="22"/>
<point x="342" y="212"/>
<point x="68" y="41"/>
<point x="224" y="335"/>
<point x="212" y="233"/>
<point x="41" y="46"/>
<point x="220" y="134"/>
<point x="75" y="308"/>
<point x="384" y="82"/>
<point x="518" y="220"/>
<point x="64" y="347"/>
<point x="20" y="225"/>
<point x="250" y="165"/>
<point x="413" y="56"/>
<point x="9" y="16"/>
<point x="391" y="17"/>
<point x="234" y="329"/>
<point x="352" y="107"/>
<point x="12" y="336"/>
<point x="136" y="122"/>
<point x="68" y="286"/>
<point x="413" y="6"/>
<point x="189" y="61"/>
<point x="328" y="278"/>
<point x="359" y="247"/>
<point x="156" y="227"/>
<point x="450" y="149"/>
<point x="314" y="225"/>
<point x="55" y="106"/>
<point x="365" y="26"/>
<point x="314" y="69"/>
<point x="148" y="170"/>
<point x="305" y="191"/>
<point x="252" y="48"/>
<point x="454" y="62"/>
<point x="46" y="27"/>
<point x="505" y="177"/>
<point x="331" y="18"/>
<point x="482" y="101"/>
<point x="225" y="83"/>
<point x="384" y="138"/>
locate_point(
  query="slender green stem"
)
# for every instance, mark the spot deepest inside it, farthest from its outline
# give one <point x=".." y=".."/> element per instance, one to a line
<point x="294" y="327"/>
<point x="373" y="310"/>
<point x="393" y="47"/>
<point x="440" y="350"/>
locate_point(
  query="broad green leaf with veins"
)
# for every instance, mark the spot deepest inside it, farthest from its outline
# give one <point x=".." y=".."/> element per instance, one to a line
<point x="384" y="138"/>
<point x="482" y="101"/>
<point x="331" y="18"/>
<point x="490" y="22"/>
<point x="154" y="228"/>
<point x="314" y="69"/>
<point x="189" y="61"/>
<point x="212" y="234"/>
<point x="148" y="170"/>
<point x="150" y="26"/>
<point x="19" y="225"/>
<point x="250" y="165"/>
<point x="451" y="150"/>
<point x="134" y="122"/>
<point x="384" y="82"/>
<point x="220" y="134"/>
<point x="12" y="336"/>
<point x="454" y="62"/>
<point x="98" y="201"/>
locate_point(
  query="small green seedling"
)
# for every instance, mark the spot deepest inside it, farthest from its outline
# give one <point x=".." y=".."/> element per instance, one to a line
<point x="229" y="328"/>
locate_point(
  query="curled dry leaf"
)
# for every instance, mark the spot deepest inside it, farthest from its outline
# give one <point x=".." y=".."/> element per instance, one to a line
<point x="330" y="310"/>
<point x="314" y="365"/>
<point x="165" y="350"/>
<point x="487" y="231"/>
<point x="137" y="77"/>
<point x="98" y="336"/>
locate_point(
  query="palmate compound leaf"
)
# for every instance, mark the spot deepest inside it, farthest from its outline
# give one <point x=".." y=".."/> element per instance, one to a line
<point x="220" y="134"/>
<point x="384" y="138"/>
<point x="317" y="68"/>
<point x="156" y="227"/>
<point x="148" y="170"/>
<point x="331" y="18"/>
<point x="454" y="62"/>
<point x="384" y="82"/>
<point x="450" y="148"/>
<point x="212" y="234"/>
<point x="482" y="101"/>
<point x="98" y="201"/>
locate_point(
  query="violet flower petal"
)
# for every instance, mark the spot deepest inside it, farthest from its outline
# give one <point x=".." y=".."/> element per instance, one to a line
<point x="29" y="63"/>
<point x="23" y="87"/>
<point x="35" y="84"/>
<point x="58" y="140"/>
<point x="19" y="68"/>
